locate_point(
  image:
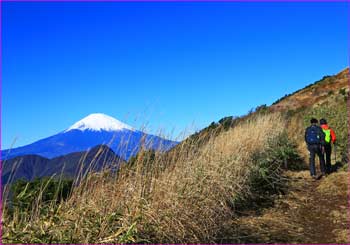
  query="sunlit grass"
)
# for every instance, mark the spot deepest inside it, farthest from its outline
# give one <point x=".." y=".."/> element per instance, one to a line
<point x="185" y="195"/>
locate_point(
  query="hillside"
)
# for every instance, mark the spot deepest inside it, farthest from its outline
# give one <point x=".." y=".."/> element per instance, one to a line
<point x="326" y="98"/>
<point x="29" y="167"/>
<point x="241" y="180"/>
<point x="298" y="216"/>
<point x="315" y="94"/>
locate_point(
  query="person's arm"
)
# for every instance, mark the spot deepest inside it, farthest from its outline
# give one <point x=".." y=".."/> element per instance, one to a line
<point x="333" y="137"/>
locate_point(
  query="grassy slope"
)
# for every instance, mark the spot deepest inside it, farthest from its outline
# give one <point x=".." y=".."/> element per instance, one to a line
<point x="311" y="212"/>
<point x="212" y="191"/>
<point x="188" y="201"/>
<point x="314" y="94"/>
<point x="327" y="98"/>
<point x="324" y="98"/>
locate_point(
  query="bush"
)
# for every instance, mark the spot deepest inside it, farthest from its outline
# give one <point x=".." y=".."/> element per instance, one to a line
<point x="342" y="91"/>
<point x="279" y="154"/>
<point x="27" y="194"/>
<point x="226" y="122"/>
<point x="261" y="109"/>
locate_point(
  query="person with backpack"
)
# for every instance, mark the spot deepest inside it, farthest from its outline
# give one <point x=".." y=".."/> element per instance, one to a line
<point x="329" y="138"/>
<point x="315" y="140"/>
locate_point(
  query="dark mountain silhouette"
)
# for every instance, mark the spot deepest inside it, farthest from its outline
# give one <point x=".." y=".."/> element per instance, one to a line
<point x="29" y="167"/>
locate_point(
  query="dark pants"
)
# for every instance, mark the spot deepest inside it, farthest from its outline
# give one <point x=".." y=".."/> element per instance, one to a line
<point x="316" y="150"/>
<point x="328" y="152"/>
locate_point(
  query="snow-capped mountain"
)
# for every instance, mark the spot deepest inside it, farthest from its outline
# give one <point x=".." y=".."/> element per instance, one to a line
<point x="99" y="122"/>
<point x="93" y="130"/>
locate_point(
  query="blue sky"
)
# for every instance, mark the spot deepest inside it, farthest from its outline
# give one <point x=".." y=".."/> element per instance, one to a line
<point x="172" y="66"/>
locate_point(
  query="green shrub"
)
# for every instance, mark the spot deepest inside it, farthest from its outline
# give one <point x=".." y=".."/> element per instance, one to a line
<point x="261" y="109"/>
<point x="269" y="164"/>
<point x="25" y="194"/>
<point x="342" y="91"/>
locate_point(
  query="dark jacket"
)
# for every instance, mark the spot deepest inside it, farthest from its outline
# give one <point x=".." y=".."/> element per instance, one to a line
<point x="319" y="132"/>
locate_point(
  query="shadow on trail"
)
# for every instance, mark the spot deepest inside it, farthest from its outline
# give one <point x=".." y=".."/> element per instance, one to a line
<point x="311" y="211"/>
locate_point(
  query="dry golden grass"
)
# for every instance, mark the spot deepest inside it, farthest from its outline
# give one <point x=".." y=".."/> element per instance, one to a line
<point x="192" y="197"/>
<point x="176" y="198"/>
<point x="188" y="200"/>
<point x="296" y="131"/>
<point x="335" y="185"/>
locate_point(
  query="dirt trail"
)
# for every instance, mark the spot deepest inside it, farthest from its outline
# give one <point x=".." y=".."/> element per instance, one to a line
<point x="321" y="211"/>
<point x="311" y="212"/>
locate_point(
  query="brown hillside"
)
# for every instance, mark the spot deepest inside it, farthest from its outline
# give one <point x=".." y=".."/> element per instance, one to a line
<point x="327" y="91"/>
<point x="316" y="93"/>
<point x="240" y="180"/>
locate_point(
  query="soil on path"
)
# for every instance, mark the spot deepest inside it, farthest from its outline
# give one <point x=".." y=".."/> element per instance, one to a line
<point x="312" y="211"/>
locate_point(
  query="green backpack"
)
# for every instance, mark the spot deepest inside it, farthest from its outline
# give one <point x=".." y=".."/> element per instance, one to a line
<point x="327" y="132"/>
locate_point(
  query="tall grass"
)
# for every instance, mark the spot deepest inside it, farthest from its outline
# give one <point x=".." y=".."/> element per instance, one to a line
<point x="184" y="196"/>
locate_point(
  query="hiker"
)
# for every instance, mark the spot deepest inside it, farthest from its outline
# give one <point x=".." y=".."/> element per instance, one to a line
<point x="315" y="140"/>
<point x="329" y="138"/>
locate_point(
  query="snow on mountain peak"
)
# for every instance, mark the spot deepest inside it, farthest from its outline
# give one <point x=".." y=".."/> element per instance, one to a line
<point x="98" y="122"/>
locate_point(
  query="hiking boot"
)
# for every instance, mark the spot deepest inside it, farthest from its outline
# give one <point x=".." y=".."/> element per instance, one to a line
<point x="314" y="177"/>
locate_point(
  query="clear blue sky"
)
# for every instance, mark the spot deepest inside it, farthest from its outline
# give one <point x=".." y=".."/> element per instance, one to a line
<point x="170" y="65"/>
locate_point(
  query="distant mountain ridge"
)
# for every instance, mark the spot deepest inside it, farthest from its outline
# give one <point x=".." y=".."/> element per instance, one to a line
<point x="28" y="167"/>
<point x="315" y="93"/>
<point x="95" y="129"/>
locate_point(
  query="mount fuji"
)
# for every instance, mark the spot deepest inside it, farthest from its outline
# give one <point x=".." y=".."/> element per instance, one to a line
<point x="95" y="129"/>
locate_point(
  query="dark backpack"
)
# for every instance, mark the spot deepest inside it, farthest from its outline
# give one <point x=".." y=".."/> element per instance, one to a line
<point x="313" y="136"/>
